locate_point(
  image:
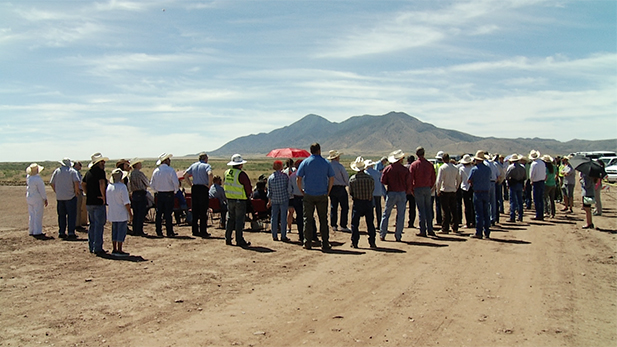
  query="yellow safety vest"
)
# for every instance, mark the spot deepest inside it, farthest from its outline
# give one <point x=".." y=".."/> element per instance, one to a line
<point x="233" y="188"/>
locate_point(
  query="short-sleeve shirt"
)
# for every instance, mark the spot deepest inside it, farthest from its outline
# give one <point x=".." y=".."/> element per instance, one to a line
<point x="64" y="179"/>
<point x="117" y="199"/>
<point x="92" y="178"/>
<point x="316" y="172"/>
<point x="200" y="171"/>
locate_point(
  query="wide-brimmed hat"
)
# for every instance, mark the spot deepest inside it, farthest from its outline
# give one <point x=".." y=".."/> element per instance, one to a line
<point x="135" y="161"/>
<point x="480" y="156"/>
<point x="38" y="167"/>
<point x="95" y="158"/>
<point x="547" y="158"/>
<point x="122" y="161"/>
<point x="439" y="155"/>
<point x="118" y="171"/>
<point x="368" y="163"/>
<point x="514" y="157"/>
<point x="466" y="159"/>
<point x="164" y="157"/>
<point x="359" y="164"/>
<point x="396" y="156"/>
<point x="334" y="154"/>
<point x="66" y="162"/>
<point x="533" y="155"/>
<point x="236" y="159"/>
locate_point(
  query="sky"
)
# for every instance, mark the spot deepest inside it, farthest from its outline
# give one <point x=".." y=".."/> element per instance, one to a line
<point x="139" y="78"/>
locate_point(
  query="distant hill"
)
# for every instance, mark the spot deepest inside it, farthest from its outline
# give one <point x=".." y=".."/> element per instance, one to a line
<point x="379" y="135"/>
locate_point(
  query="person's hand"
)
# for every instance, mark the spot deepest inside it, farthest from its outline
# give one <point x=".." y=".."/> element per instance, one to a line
<point x="46" y="203"/>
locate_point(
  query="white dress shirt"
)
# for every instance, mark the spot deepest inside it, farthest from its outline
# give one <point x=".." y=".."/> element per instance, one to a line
<point x="448" y="178"/>
<point x="537" y="171"/>
<point x="164" y="179"/>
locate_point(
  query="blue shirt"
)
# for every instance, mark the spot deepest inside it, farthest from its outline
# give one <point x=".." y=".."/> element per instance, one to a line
<point x="480" y="178"/>
<point x="379" y="188"/>
<point x="200" y="171"/>
<point x="341" y="177"/>
<point x="217" y="191"/>
<point x="316" y="172"/>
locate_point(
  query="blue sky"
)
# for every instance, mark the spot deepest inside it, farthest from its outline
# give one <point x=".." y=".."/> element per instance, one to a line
<point x="138" y="78"/>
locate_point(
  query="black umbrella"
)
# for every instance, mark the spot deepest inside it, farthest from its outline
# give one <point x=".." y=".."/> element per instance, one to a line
<point x="587" y="166"/>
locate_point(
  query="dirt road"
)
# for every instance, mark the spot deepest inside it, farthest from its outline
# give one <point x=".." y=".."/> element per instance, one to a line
<point x="533" y="284"/>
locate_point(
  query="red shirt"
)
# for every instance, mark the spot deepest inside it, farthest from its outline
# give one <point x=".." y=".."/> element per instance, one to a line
<point x="422" y="174"/>
<point x="396" y="178"/>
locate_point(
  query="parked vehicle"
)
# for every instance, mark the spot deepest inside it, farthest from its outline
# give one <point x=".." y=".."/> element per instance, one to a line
<point x="611" y="173"/>
<point x="608" y="161"/>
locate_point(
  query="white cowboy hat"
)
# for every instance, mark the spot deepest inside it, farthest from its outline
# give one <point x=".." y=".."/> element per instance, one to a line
<point x="514" y="157"/>
<point x="439" y="155"/>
<point x="236" y="159"/>
<point x="359" y="164"/>
<point x="66" y="162"/>
<point x="466" y="159"/>
<point x="533" y="155"/>
<point x="135" y="161"/>
<point x="95" y="158"/>
<point x="547" y="158"/>
<point x="369" y="162"/>
<point x="396" y="156"/>
<point x="38" y="167"/>
<point x="117" y="171"/>
<point x="334" y="154"/>
<point x="164" y="157"/>
<point x="480" y="156"/>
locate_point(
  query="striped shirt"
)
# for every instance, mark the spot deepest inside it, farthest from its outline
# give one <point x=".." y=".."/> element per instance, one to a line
<point x="137" y="181"/>
<point x="361" y="186"/>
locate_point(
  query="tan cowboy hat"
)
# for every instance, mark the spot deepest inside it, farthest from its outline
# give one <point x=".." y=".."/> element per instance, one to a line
<point x="334" y="154"/>
<point x="514" y="158"/>
<point x="547" y="158"/>
<point x="359" y="164"/>
<point x="164" y="157"/>
<point x="95" y="158"/>
<point x="66" y="162"/>
<point x="117" y="172"/>
<point x="236" y="159"/>
<point x="135" y="161"/>
<point x="533" y="155"/>
<point x="396" y="156"/>
<point x="466" y="159"/>
<point x="122" y="161"/>
<point x="32" y="166"/>
<point x="480" y="156"/>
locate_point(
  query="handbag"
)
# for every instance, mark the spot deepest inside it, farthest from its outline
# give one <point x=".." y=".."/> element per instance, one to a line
<point x="588" y="200"/>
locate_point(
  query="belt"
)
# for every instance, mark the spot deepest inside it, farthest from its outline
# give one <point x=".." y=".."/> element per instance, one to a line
<point x="165" y="192"/>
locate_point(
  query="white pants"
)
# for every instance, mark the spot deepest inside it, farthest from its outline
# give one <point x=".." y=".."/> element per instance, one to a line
<point x="35" y="211"/>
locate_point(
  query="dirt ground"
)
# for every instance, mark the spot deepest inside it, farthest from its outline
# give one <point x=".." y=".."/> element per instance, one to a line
<point x="533" y="284"/>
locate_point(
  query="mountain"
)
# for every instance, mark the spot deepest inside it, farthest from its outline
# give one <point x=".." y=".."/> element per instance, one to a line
<point x="379" y="135"/>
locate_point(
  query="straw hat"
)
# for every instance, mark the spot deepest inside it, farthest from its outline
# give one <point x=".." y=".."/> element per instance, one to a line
<point x="334" y="154"/>
<point x="396" y="156"/>
<point x="359" y="164"/>
<point x="533" y="155"/>
<point x="466" y="159"/>
<point x="368" y="163"/>
<point x="66" y="162"/>
<point x="164" y="157"/>
<point x="95" y="158"/>
<point x="514" y="158"/>
<point x="34" y="167"/>
<point x="122" y="161"/>
<point x="236" y="159"/>
<point x="117" y="175"/>
<point x="547" y="158"/>
<point x="136" y="161"/>
<point x="480" y="156"/>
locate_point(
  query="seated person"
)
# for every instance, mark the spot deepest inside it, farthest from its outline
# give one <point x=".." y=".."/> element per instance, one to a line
<point x="218" y="192"/>
<point x="183" y="208"/>
<point x="260" y="191"/>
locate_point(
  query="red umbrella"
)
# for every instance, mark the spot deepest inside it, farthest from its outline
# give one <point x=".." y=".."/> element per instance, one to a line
<point x="288" y="153"/>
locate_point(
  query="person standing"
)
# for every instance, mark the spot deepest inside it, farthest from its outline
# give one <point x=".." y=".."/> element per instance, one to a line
<point x="200" y="193"/>
<point x="36" y="197"/>
<point x="338" y="194"/>
<point x="138" y="190"/>
<point x="569" y="180"/>
<point x="490" y="163"/>
<point x="434" y="199"/>
<point x="361" y="186"/>
<point x="82" y="214"/>
<point x="411" y="201"/>
<point x="238" y="189"/>
<point x="380" y="191"/>
<point x="397" y="181"/>
<point x="315" y="177"/>
<point x="165" y="182"/>
<point x="119" y="213"/>
<point x="94" y="185"/>
<point x="537" y="176"/>
<point x="465" y="166"/>
<point x="588" y="197"/>
<point x="448" y="182"/>
<point x="278" y="199"/>
<point x="516" y="176"/>
<point x="480" y="180"/>
<point x="65" y="183"/>
<point x="422" y="184"/>
<point x="549" y="186"/>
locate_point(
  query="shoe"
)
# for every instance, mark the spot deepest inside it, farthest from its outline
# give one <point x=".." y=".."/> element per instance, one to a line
<point x="172" y="235"/>
<point x="474" y="236"/>
<point x="589" y="226"/>
<point x="564" y="209"/>
<point x="72" y="237"/>
<point x="285" y="239"/>
<point x="431" y="234"/>
<point x="381" y="238"/>
<point x="122" y="254"/>
<point x="228" y="243"/>
<point x="399" y="240"/>
<point x="197" y="234"/>
<point x="159" y="235"/>
<point x="100" y="253"/>
<point x="372" y="245"/>
<point x="520" y="219"/>
<point x="244" y="244"/>
<point x="275" y="239"/>
<point x="307" y="246"/>
<point x="206" y="235"/>
<point x="444" y="232"/>
<point x="421" y="234"/>
<point x="511" y="220"/>
<point x="62" y="236"/>
<point x="335" y="228"/>
<point x="354" y="245"/>
<point x="347" y="230"/>
<point x="596" y="213"/>
<point x="326" y="247"/>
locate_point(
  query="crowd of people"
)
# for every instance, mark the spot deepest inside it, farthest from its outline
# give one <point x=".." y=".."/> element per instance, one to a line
<point x="472" y="188"/>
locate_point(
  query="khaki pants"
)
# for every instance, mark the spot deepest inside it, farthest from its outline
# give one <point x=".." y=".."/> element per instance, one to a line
<point x="82" y="213"/>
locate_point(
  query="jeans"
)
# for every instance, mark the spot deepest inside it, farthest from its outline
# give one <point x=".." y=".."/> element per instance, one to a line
<point x="483" y="216"/>
<point x="118" y="231"/>
<point x="140" y="208"/>
<point x="319" y="202"/>
<point x="492" y="202"/>
<point x="412" y="210"/>
<point x="516" y="201"/>
<point x="527" y="194"/>
<point x="437" y="214"/>
<point x="538" y="198"/>
<point x="362" y="208"/>
<point x="298" y="204"/>
<point x="338" y="195"/>
<point x="200" y="203"/>
<point x="425" y="210"/>
<point x="236" y="214"/>
<point x="164" y="209"/>
<point x="450" y="214"/>
<point x="398" y="199"/>
<point x="67" y="210"/>
<point x="549" y="200"/>
<point x="279" y="214"/>
<point x="97" y="214"/>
